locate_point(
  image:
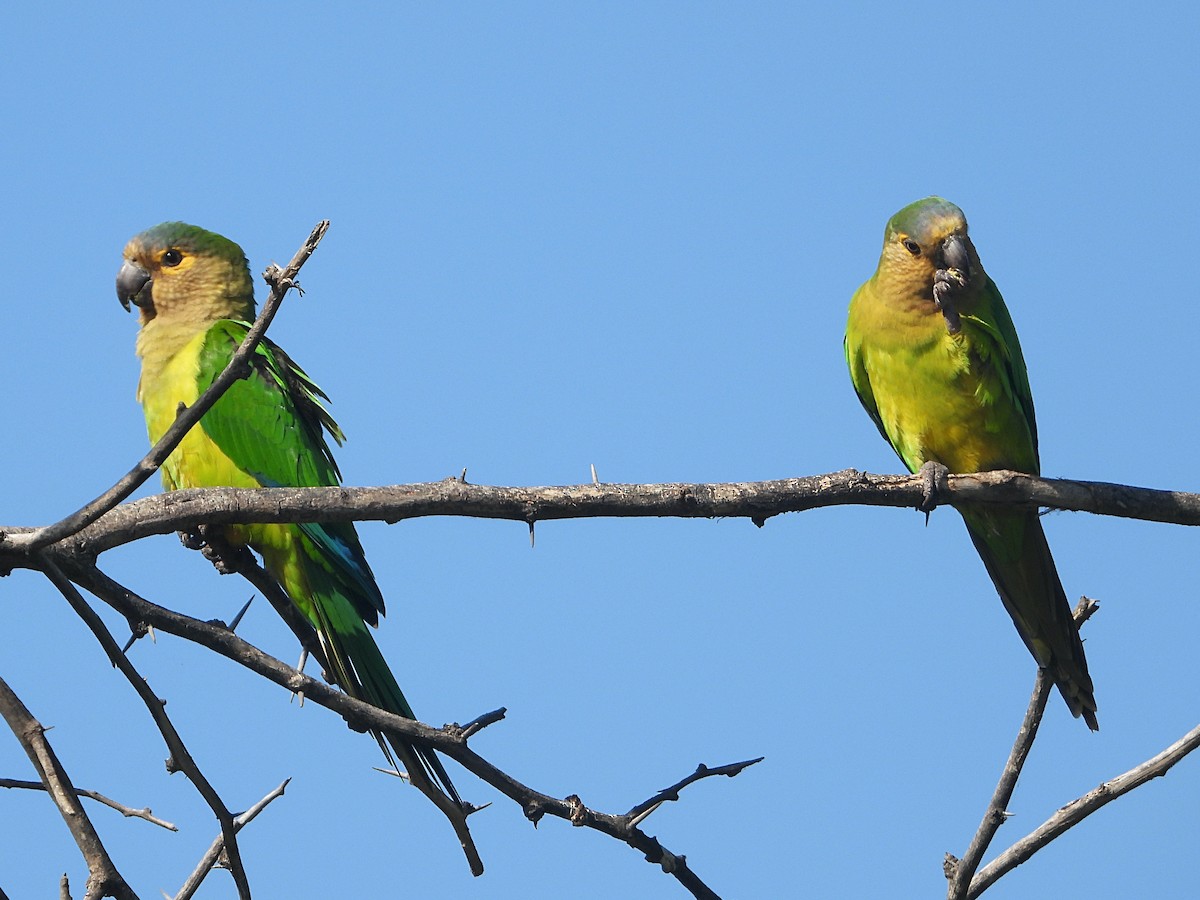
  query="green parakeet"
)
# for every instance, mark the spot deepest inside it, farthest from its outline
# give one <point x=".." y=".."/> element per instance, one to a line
<point x="195" y="302"/>
<point x="935" y="360"/>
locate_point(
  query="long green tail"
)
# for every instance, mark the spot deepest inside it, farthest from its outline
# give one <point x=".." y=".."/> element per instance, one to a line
<point x="361" y="671"/>
<point x="1014" y="550"/>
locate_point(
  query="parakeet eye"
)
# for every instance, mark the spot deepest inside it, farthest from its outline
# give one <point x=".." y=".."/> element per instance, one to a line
<point x="172" y="257"/>
<point x="912" y="246"/>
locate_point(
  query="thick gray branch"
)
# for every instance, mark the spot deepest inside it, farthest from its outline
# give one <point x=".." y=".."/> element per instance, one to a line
<point x="756" y="500"/>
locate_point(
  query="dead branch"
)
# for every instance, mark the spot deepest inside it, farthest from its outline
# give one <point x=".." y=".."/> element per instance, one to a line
<point x="181" y="758"/>
<point x="1078" y="810"/>
<point x="756" y="500"/>
<point x="103" y="878"/>
<point x="215" y="852"/>
<point x="959" y="872"/>
<point x="450" y="740"/>
<point x="127" y="811"/>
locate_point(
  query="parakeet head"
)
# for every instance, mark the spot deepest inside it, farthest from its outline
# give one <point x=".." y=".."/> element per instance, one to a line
<point x="179" y="271"/>
<point x="927" y="237"/>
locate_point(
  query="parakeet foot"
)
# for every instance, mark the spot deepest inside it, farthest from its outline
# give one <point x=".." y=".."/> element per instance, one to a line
<point x="225" y="557"/>
<point x="933" y="478"/>
<point x="946" y="282"/>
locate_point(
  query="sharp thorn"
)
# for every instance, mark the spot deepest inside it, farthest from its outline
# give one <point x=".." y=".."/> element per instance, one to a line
<point x="241" y="612"/>
<point x="641" y="817"/>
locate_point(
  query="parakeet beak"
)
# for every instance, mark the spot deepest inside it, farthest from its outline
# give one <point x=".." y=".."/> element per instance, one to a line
<point x="133" y="285"/>
<point x="956" y="257"/>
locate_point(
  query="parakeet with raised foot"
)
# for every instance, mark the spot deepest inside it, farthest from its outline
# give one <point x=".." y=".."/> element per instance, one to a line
<point x="935" y="361"/>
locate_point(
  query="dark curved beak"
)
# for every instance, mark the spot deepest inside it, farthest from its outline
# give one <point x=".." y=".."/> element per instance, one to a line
<point x="133" y="285"/>
<point x="957" y="256"/>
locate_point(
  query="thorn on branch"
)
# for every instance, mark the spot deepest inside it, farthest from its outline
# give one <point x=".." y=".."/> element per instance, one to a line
<point x="241" y="612"/>
<point x="137" y="631"/>
<point x="534" y="811"/>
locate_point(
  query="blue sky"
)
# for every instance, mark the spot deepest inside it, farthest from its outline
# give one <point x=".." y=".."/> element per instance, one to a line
<point x="626" y="236"/>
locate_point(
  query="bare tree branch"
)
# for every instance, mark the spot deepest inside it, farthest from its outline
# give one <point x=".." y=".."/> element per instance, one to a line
<point x="642" y="810"/>
<point x="758" y="501"/>
<point x="1078" y="810"/>
<point x="362" y="716"/>
<point x="181" y="758"/>
<point x="103" y="878"/>
<point x="960" y="872"/>
<point x="213" y="855"/>
<point x="281" y="281"/>
<point x="755" y="500"/>
<point x="128" y="812"/>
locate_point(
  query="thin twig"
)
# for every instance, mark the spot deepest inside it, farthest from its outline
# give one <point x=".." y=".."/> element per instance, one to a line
<point x="128" y="812"/>
<point x="960" y="872"/>
<point x="643" y="809"/>
<point x="479" y="723"/>
<point x="213" y="854"/>
<point x="1078" y="810"/>
<point x="281" y="281"/>
<point x="181" y="757"/>
<point x="103" y="878"/>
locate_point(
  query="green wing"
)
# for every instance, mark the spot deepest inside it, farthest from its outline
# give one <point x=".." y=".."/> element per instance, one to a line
<point x="852" y="346"/>
<point x="1001" y="349"/>
<point x="272" y="425"/>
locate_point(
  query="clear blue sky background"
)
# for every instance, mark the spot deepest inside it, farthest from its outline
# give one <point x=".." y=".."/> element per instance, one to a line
<point x="623" y="235"/>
